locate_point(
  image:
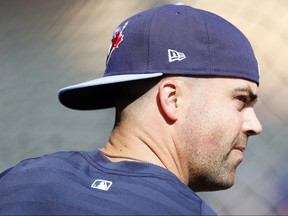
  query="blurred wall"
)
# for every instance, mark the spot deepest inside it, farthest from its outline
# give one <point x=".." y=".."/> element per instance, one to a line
<point x="46" y="45"/>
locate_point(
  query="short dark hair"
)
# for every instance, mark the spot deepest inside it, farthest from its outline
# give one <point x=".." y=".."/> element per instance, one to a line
<point x="127" y="92"/>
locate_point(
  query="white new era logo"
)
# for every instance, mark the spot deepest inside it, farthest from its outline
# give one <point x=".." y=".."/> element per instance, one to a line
<point x="175" y="55"/>
<point x="101" y="184"/>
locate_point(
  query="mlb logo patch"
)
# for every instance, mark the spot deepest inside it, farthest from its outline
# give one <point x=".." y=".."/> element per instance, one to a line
<point x="101" y="184"/>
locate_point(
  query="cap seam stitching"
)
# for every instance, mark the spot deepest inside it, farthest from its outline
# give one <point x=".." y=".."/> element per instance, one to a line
<point x="210" y="57"/>
<point x="147" y="37"/>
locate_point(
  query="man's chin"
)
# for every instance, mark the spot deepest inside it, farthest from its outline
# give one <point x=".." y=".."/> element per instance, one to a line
<point x="211" y="186"/>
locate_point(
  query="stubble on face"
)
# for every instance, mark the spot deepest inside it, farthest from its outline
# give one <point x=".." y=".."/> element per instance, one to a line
<point x="215" y="168"/>
<point x="212" y="133"/>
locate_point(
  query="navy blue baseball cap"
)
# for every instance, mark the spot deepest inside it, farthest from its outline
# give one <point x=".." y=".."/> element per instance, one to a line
<point x="167" y="40"/>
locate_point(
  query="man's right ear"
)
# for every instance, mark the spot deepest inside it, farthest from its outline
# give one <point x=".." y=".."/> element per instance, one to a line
<point x="168" y="98"/>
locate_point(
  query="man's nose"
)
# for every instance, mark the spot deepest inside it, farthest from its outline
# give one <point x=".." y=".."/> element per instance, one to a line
<point x="251" y="125"/>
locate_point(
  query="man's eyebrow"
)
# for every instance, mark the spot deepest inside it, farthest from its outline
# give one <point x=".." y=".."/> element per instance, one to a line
<point x="247" y="90"/>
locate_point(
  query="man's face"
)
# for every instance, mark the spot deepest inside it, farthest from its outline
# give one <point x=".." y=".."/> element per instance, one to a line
<point x="217" y="123"/>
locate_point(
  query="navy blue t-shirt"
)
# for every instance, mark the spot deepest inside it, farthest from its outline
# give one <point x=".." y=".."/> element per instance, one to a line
<point x="88" y="183"/>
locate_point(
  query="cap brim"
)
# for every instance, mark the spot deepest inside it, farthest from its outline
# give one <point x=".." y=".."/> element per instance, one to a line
<point x="98" y="93"/>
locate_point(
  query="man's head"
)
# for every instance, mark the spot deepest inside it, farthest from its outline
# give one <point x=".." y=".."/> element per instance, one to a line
<point x="184" y="73"/>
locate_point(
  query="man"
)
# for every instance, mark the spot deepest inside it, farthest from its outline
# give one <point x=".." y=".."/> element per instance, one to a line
<point x="184" y="83"/>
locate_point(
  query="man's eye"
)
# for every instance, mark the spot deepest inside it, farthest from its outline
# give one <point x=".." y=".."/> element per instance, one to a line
<point x="243" y="99"/>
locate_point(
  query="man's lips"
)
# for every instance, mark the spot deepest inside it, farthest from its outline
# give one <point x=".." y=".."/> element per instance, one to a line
<point x="241" y="144"/>
<point x="240" y="148"/>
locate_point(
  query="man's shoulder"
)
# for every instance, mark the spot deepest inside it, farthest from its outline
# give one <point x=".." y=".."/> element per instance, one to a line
<point x="43" y="184"/>
<point x="54" y="167"/>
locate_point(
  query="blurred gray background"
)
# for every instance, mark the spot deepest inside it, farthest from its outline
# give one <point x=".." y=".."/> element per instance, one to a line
<point x="47" y="45"/>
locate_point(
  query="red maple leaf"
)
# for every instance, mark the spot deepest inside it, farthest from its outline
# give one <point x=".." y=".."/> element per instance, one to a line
<point x="116" y="40"/>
